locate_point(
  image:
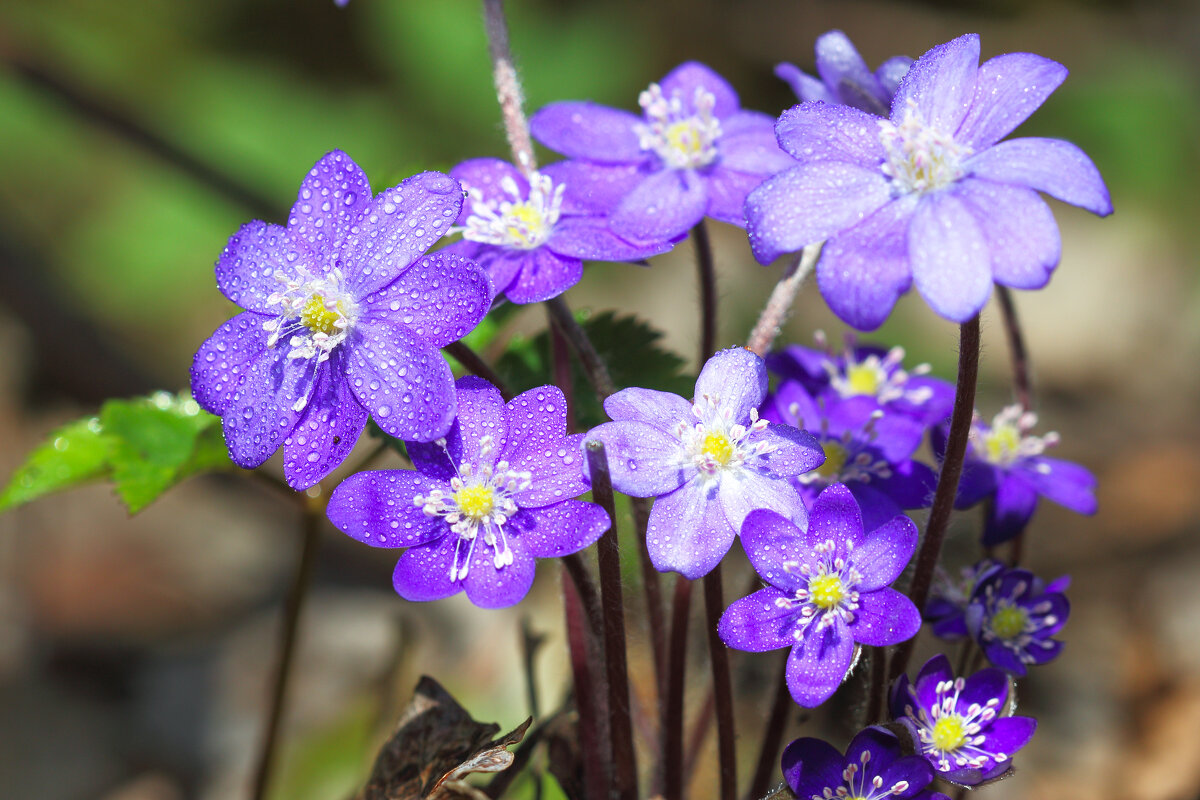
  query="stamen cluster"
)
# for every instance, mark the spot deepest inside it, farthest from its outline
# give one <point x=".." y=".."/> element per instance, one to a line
<point x="715" y="442"/>
<point x="829" y="592"/>
<point x="681" y="139"/>
<point x="314" y="313"/>
<point x="523" y="223"/>
<point x="1008" y="440"/>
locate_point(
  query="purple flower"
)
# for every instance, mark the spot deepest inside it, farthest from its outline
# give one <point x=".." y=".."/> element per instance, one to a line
<point x="709" y="462"/>
<point x="829" y="592"/>
<point x="947" y="606"/>
<point x="532" y="236"/>
<point x="1012" y="616"/>
<point x="866" y="371"/>
<point x="873" y="768"/>
<point x="344" y="317"/>
<point x="1005" y="463"/>
<point x="694" y="152"/>
<point x="482" y="504"/>
<point x="845" y="78"/>
<point x="866" y="448"/>
<point x="928" y="196"/>
<point x="961" y="725"/>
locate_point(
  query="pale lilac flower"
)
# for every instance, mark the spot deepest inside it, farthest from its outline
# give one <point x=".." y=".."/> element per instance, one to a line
<point x="844" y="78"/>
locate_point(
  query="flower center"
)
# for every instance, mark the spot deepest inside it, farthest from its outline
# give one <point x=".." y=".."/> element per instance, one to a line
<point x="715" y="443"/>
<point x="319" y="317"/>
<point x="1009" y="622"/>
<point x="920" y="158"/>
<point x="949" y="733"/>
<point x="521" y="223"/>
<point x="718" y="448"/>
<point x="863" y="379"/>
<point x="827" y="591"/>
<point x="881" y="377"/>
<point x="1008" y="439"/>
<point x="680" y="139"/>
<point x="476" y="501"/>
<point x="835" y="459"/>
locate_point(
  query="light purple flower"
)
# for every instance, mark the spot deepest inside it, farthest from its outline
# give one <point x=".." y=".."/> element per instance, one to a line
<point x="929" y="196"/>
<point x="873" y="768"/>
<point x="344" y="317"/>
<point x="532" y="236"/>
<point x="844" y="78"/>
<point x="948" y="599"/>
<point x="693" y="153"/>
<point x="709" y="461"/>
<point x="1006" y="463"/>
<point x="1012" y="615"/>
<point x="482" y="504"/>
<point x="961" y="725"/>
<point x="829" y="592"/>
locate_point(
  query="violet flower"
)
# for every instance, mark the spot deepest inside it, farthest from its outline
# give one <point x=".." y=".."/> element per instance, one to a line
<point x="868" y="449"/>
<point x="930" y="195"/>
<point x="1012" y="616"/>
<point x="1006" y="463"/>
<point x="873" y="768"/>
<point x="344" y="317"/>
<point x="532" y="236"/>
<point x="948" y="598"/>
<point x="829" y="592"/>
<point x="709" y="461"/>
<point x="844" y="78"/>
<point x="961" y="725"/>
<point x="482" y="504"/>
<point x="693" y="153"/>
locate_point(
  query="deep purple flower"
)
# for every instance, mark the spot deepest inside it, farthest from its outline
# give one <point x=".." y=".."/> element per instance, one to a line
<point x="532" y="236"/>
<point x="928" y="196"/>
<point x="845" y="79"/>
<point x="482" y="504"/>
<point x="693" y="153"/>
<point x="961" y="725"/>
<point x="1005" y="463"/>
<point x="344" y="317"/>
<point x="1012" y="616"/>
<point x="948" y="599"/>
<point x="829" y="592"/>
<point x="866" y="448"/>
<point x="866" y="370"/>
<point x="873" y="768"/>
<point x="708" y="461"/>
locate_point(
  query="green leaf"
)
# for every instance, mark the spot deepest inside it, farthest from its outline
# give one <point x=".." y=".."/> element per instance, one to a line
<point x="75" y="453"/>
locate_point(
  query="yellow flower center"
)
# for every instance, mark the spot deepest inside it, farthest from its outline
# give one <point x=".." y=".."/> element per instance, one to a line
<point x="1009" y="622"/>
<point x="1001" y="443"/>
<point x="949" y="733"/>
<point x="526" y="225"/>
<point x="319" y="317"/>
<point x="684" y="137"/>
<point x="827" y="591"/>
<point x="835" y="459"/>
<point x="475" y="501"/>
<point x="862" y="379"/>
<point x="718" y="447"/>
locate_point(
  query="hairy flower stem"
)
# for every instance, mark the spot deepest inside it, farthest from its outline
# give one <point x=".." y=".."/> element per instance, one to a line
<point x="1022" y="382"/>
<point x="714" y="605"/>
<point x="947" y="486"/>
<point x="560" y="365"/>
<point x="707" y="275"/>
<point x="652" y="587"/>
<point x="311" y="520"/>
<point x="612" y="603"/>
<point x="768" y="757"/>
<point x="477" y="366"/>
<point x="780" y="302"/>
<point x="585" y="657"/>
<point x="508" y="87"/>
<point x="593" y="365"/>
<point x="672" y="723"/>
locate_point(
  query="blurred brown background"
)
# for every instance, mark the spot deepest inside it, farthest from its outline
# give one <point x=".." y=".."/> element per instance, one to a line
<point x="136" y="135"/>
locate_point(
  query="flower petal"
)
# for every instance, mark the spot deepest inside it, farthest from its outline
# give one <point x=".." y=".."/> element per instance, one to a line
<point x="479" y="413"/>
<point x="248" y="267"/>
<point x="835" y="517"/>
<point x="1008" y="734"/>
<point x="1011" y="510"/>
<point x="727" y="193"/>
<point x="822" y="132"/>
<point x="771" y="539"/>
<point x="756" y="623"/>
<point x="326" y="432"/>
<point x="951" y="265"/>
<point x="378" y="508"/>
<point x="885" y="617"/>
<point x="736" y="380"/>
<point x="885" y="552"/>
<point x="489" y="586"/>
<point x="440" y="298"/>
<point x="753" y="148"/>
<point x="224" y="356"/>
<point x="941" y="83"/>
<point x="543" y="275"/>
<point x="592" y="239"/>
<point x="643" y="460"/>
<point x="588" y="131"/>
<point x="560" y="529"/>
<point x="1062" y="482"/>
<point x="687" y="532"/>
<point x="664" y="205"/>
<point x="745" y="491"/>
<point x="662" y="410"/>
<point x="689" y="76"/>
<point x="840" y="65"/>
<point x="806" y="87"/>
<point x="1058" y="168"/>
<point x="796" y="452"/>
<point x="891" y="72"/>
<point x="810" y="766"/>
<point x="423" y="572"/>
<point x="592" y="189"/>
<point x="261" y="411"/>
<point x="1020" y="230"/>
<point x="332" y="196"/>
<point x="483" y="176"/>
<point x="818" y="665"/>
<point x="1008" y="89"/>
<point x="809" y="203"/>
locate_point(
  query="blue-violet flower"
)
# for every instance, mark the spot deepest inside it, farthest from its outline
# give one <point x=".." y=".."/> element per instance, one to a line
<point x="948" y="598"/>
<point x="1012" y="616"/>
<point x="873" y="768"/>
<point x="844" y="78"/>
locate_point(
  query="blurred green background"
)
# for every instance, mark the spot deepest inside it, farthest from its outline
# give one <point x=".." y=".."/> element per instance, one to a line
<point x="137" y="135"/>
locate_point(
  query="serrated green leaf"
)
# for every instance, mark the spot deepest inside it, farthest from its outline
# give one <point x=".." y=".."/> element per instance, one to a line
<point x="73" y="454"/>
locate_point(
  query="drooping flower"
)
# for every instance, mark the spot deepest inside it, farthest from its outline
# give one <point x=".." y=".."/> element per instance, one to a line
<point x="873" y="768"/>
<point x="482" y="504"/>
<point x="829" y="591"/>
<point x="708" y="462"/>
<point x="1005" y="463"/>
<point x="929" y="196"/>
<point x="1012" y="616"/>
<point x="694" y="152"/>
<point x="866" y="370"/>
<point x="344" y="317"/>
<point x="948" y="598"/>
<point x="532" y="236"/>
<point x="844" y="78"/>
<point x="868" y="449"/>
<point x="961" y="725"/>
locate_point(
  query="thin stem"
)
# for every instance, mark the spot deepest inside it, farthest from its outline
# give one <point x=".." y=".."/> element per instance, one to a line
<point x="768" y="757"/>
<point x="672" y="726"/>
<point x="530" y="643"/>
<point x="1022" y="382"/>
<point x="947" y="486"/>
<point x="293" y="605"/>
<point x="652" y="587"/>
<point x="477" y="366"/>
<point x="590" y="717"/>
<point x="508" y="87"/>
<point x="588" y="595"/>
<point x="878" y="687"/>
<point x="593" y="365"/>
<point x="560" y="363"/>
<point x="780" y="302"/>
<point x="714" y="605"/>
<point x="609" y="554"/>
<point x="706" y="273"/>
